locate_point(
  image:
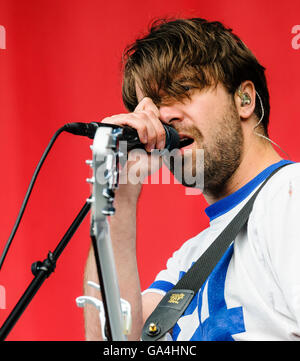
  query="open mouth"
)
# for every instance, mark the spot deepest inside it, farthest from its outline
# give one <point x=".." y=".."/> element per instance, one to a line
<point x="185" y="141"/>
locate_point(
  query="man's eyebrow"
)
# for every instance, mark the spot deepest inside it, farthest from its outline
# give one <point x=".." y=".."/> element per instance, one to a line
<point x="183" y="78"/>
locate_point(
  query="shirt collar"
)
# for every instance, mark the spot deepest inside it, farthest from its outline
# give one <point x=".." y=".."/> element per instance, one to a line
<point x="226" y="204"/>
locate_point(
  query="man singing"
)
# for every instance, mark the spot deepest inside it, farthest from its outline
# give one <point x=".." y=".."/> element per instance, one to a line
<point x="202" y="80"/>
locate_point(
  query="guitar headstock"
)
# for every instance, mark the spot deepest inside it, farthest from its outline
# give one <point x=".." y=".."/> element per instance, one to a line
<point x="105" y="165"/>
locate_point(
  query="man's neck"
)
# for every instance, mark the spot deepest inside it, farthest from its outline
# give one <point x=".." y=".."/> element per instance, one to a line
<point x="254" y="160"/>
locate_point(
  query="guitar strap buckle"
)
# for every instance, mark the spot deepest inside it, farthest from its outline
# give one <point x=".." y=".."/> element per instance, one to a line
<point x="166" y="314"/>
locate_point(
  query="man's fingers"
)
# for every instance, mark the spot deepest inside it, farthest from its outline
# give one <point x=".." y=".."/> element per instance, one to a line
<point x="131" y="121"/>
<point x="145" y="119"/>
<point x="147" y="105"/>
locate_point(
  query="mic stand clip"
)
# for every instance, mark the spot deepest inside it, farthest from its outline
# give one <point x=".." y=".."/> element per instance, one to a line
<point x="48" y="265"/>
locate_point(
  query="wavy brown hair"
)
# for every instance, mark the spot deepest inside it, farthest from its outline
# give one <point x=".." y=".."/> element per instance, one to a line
<point x="177" y="55"/>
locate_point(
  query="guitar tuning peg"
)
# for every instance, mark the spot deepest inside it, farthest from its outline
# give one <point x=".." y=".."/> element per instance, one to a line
<point x="109" y="211"/>
<point x="91" y="180"/>
<point x="109" y="194"/>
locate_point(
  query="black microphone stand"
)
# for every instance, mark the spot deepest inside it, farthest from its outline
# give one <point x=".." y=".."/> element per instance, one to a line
<point x="41" y="271"/>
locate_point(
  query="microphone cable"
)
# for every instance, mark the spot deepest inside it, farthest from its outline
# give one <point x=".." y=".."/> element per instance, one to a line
<point x="27" y="195"/>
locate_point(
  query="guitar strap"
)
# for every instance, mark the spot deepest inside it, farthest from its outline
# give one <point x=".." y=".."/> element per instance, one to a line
<point x="175" y="302"/>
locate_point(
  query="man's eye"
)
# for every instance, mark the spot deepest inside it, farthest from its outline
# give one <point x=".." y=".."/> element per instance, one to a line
<point x="187" y="88"/>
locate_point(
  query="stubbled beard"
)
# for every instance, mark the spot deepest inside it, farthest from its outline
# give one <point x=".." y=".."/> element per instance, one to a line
<point x="221" y="162"/>
<point x="221" y="157"/>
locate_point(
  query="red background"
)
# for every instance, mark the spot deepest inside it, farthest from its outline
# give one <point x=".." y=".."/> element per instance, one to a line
<point x="62" y="64"/>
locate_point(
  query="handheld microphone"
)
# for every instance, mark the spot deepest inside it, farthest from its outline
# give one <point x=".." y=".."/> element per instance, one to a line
<point x="129" y="134"/>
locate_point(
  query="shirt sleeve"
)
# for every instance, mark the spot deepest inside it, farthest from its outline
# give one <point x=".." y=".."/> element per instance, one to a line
<point x="167" y="278"/>
<point x="279" y="230"/>
<point x="177" y="265"/>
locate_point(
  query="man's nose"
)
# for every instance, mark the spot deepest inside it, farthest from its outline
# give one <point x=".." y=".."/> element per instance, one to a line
<point x="170" y="113"/>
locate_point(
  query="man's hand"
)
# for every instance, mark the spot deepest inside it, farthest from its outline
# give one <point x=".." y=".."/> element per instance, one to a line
<point x="145" y="119"/>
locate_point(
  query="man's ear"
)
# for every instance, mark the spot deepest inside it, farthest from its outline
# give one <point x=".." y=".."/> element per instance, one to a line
<point x="245" y="99"/>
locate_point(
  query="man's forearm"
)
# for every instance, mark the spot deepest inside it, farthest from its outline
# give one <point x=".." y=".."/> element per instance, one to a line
<point x="123" y="234"/>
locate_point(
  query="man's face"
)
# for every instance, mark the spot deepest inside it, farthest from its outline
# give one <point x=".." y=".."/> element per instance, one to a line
<point x="211" y="119"/>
